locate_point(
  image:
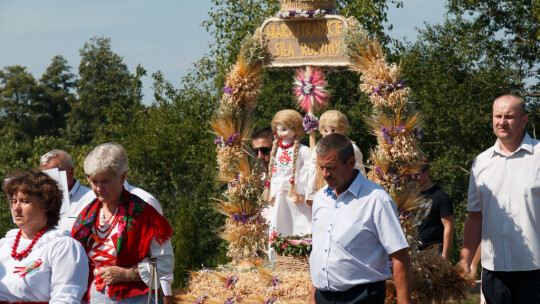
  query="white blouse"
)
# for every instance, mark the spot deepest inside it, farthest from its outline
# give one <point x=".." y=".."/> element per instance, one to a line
<point x="55" y="271"/>
<point x="283" y="168"/>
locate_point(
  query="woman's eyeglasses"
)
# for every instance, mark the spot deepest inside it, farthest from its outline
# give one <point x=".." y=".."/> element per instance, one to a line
<point x="264" y="150"/>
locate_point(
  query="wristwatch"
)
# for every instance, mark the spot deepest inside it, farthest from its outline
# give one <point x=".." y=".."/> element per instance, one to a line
<point x="132" y="273"/>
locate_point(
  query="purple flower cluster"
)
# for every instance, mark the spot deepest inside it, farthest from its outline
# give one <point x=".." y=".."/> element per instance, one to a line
<point x="311" y="123"/>
<point x="399" y="179"/>
<point x="227" y="89"/>
<point x="388" y="87"/>
<point x="306" y="13"/>
<point x="207" y="270"/>
<point x="275" y="281"/>
<point x="270" y="301"/>
<point x="230" y="300"/>
<point x="200" y="299"/>
<point x="231" y="280"/>
<point x="244" y="218"/>
<point x="308" y="87"/>
<point x="230" y="142"/>
<point x="388" y="133"/>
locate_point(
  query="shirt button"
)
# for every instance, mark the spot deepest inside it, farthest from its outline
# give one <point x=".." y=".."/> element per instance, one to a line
<point x="324" y="269"/>
<point x="326" y="250"/>
<point x="330" y="225"/>
<point x="337" y="207"/>
<point x="328" y="231"/>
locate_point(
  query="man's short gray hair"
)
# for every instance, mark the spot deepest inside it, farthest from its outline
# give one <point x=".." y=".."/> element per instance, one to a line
<point x="336" y="142"/>
<point x="106" y="157"/>
<point x="64" y="160"/>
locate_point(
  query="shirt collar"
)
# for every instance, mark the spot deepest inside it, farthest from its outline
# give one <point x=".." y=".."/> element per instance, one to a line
<point x="74" y="189"/>
<point x="526" y="144"/>
<point x="354" y="188"/>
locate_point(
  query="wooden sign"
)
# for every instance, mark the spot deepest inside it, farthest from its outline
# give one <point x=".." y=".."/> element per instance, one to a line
<point x="295" y="42"/>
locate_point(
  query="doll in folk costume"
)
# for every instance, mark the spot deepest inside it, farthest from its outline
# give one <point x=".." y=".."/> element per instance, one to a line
<point x="288" y="176"/>
<point x="331" y="121"/>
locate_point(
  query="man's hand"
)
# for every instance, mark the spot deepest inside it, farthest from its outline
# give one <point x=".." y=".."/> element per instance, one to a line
<point x="312" y="295"/>
<point x="471" y="239"/>
<point x="402" y="275"/>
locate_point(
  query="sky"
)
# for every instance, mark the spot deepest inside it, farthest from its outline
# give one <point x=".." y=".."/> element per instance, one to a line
<point x="160" y="35"/>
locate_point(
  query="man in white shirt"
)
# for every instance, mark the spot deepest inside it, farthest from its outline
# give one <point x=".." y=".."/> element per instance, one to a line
<point x="355" y="229"/>
<point x="79" y="195"/>
<point x="504" y="209"/>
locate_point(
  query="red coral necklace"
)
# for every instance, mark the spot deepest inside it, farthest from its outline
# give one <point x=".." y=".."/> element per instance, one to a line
<point x="108" y="227"/>
<point x="285" y="146"/>
<point x="19" y="256"/>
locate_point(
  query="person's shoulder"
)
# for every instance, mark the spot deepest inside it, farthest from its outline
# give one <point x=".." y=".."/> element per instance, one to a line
<point x="143" y="194"/>
<point x="372" y="187"/>
<point x="59" y="236"/>
<point x="11" y="233"/>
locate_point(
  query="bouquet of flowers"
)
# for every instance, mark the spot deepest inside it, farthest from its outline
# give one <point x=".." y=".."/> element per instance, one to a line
<point x="293" y="245"/>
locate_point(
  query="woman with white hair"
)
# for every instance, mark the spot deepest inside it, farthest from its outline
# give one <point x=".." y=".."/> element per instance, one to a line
<point x="120" y="232"/>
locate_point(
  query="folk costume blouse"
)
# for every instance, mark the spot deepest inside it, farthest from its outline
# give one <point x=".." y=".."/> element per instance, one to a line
<point x="141" y="232"/>
<point x="289" y="218"/>
<point x="55" y="270"/>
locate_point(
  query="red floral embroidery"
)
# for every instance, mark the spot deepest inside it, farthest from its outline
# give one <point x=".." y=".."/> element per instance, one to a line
<point x="274" y="169"/>
<point x="285" y="157"/>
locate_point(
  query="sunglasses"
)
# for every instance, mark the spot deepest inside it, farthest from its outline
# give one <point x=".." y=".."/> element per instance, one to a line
<point x="263" y="150"/>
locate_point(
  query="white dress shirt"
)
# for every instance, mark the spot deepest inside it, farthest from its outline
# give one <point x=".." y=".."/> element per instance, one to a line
<point x="61" y="274"/>
<point x="353" y="235"/>
<point x="506" y="189"/>
<point x="79" y="197"/>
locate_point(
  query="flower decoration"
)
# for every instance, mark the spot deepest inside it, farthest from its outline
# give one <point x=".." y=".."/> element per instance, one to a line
<point x="306" y="13"/>
<point x="270" y="301"/>
<point x="310" y="89"/>
<point x="389" y="133"/>
<point x="231" y="280"/>
<point x="275" y="281"/>
<point x="295" y="245"/>
<point x="231" y="300"/>
<point x="200" y="299"/>
<point x="227" y="89"/>
<point x="388" y="87"/>
<point x="311" y="123"/>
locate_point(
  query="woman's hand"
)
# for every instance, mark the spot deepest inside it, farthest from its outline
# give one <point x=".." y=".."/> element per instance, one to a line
<point x="114" y="274"/>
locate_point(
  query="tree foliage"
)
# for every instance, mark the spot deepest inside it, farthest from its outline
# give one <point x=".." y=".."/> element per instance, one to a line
<point x="484" y="48"/>
<point x="104" y="80"/>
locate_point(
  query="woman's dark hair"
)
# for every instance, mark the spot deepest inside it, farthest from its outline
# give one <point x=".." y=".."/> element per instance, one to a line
<point x="35" y="182"/>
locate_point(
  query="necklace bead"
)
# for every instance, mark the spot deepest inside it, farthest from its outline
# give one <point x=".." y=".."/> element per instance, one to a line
<point x="285" y="146"/>
<point x="19" y="256"/>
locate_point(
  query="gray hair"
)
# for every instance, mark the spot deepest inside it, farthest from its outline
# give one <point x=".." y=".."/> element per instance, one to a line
<point x="336" y="142"/>
<point x="64" y="160"/>
<point x="106" y="157"/>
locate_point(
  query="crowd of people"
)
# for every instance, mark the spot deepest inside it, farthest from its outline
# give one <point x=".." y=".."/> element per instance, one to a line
<point x="104" y="246"/>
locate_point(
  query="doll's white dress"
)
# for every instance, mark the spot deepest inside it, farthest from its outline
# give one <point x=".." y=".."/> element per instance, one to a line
<point x="289" y="218"/>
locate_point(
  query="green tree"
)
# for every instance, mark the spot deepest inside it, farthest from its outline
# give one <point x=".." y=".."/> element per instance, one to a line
<point x="18" y="89"/>
<point x="54" y="97"/>
<point x="104" y="80"/>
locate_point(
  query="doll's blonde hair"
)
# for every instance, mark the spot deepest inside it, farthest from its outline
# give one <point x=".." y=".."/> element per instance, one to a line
<point x="292" y="120"/>
<point x="335" y="119"/>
